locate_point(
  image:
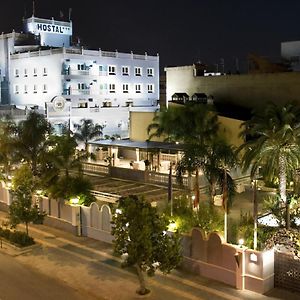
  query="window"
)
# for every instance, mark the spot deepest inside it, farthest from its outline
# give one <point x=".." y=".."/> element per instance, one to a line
<point x="34" y="72"/>
<point x="150" y="88"/>
<point x="17" y="73"/>
<point x="103" y="86"/>
<point x="112" y="88"/>
<point x="138" y="71"/>
<point x="125" y="70"/>
<point x="82" y="105"/>
<point x="25" y="73"/>
<point x="112" y="70"/>
<point x="125" y="88"/>
<point x="82" y="86"/>
<point x="44" y="71"/>
<point x="150" y="72"/>
<point x="138" y="88"/>
<point x="25" y="89"/>
<point x="34" y="88"/>
<point x="44" y="88"/>
<point x="16" y="89"/>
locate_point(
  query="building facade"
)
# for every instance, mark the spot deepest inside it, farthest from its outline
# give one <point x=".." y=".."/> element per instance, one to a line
<point x="250" y="91"/>
<point x="70" y="83"/>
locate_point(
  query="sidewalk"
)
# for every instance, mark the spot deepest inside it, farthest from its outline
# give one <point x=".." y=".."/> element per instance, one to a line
<point x="89" y="265"/>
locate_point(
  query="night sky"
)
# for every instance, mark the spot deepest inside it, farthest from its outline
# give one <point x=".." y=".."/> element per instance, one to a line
<point x="182" y="32"/>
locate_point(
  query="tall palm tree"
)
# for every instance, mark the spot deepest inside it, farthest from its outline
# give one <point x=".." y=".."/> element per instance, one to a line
<point x="195" y="125"/>
<point x="86" y="131"/>
<point x="64" y="156"/>
<point x="273" y="145"/>
<point x="220" y="159"/>
<point x="31" y="142"/>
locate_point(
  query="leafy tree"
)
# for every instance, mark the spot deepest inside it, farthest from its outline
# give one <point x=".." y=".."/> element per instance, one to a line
<point x="21" y="210"/>
<point x="70" y="187"/>
<point x="273" y="144"/>
<point x="140" y="234"/>
<point x="86" y="131"/>
<point x="7" y="151"/>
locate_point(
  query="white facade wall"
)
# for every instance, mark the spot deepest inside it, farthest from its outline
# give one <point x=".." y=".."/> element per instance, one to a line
<point x="34" y="80"/>
<point x="94" y="84"/>
<point x="99" y="85"/>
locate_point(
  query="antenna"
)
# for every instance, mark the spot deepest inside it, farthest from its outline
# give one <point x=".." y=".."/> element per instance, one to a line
<point x="70" y="11"/>
<point x="33" y="8"/>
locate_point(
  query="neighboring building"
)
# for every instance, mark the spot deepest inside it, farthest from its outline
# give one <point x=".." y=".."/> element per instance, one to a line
<point x="248" y="90"/>
<point x="290" y="51"/>
<point x="40" y="69"/>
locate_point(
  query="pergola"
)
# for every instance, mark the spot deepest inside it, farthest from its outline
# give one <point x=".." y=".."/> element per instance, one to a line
<point x="133" y="154"/>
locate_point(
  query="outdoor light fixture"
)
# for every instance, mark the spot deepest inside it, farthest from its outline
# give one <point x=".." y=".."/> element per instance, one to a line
<point x="118" y="211"/>
<point x="172" y="226"/>
<point x="74" y="201"/>
<point x="39" y="192"/>
<point x="241" y="242"/>
<point x="253" y="257"/>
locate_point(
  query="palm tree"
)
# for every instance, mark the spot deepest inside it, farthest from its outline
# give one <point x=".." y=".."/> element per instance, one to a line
<point x="220" y="159"/>
<point x="31" y="142"/>
<point x="86" y="131"/>
<point x="195" y="125"/>
<point x="64" y="156"/>
<point x="274" y="146"/>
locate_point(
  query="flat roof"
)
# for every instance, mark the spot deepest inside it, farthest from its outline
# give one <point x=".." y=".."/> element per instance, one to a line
<point x="141" y="145"/>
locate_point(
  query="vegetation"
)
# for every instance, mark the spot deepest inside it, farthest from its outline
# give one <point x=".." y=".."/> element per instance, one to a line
<point x="274" y="133"/>
<point x="22" y="210"/>
<point x="86" y="131"/>
<point x="18" y="238"/>
<point x="140" y="235"/>
<point x="207" y="217"/>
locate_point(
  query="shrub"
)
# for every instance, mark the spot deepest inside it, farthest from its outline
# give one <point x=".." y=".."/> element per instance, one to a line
<point x="18" y="238"/>
<point x="208" y="218"/>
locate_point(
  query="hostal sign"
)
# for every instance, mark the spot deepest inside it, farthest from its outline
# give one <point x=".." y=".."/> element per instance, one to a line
<point x="52" y="28"/>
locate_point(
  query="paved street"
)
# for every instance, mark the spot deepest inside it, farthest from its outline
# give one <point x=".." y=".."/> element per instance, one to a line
<point x="89" y="266"/>
<point x="19" y="281"/>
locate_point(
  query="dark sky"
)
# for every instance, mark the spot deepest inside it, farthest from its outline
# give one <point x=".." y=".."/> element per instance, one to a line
<point x="182" y="32"/>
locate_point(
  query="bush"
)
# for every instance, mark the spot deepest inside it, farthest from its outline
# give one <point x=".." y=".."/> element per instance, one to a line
<point x="208" y="218"/>
<point x="18" y="238"/>
<point x="182" y="213"/>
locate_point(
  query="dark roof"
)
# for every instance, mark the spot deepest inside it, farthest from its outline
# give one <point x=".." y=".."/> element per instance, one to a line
<point x="200" y="95"/>
<point x="141" y="145"/>
<point x="180" y="95"/>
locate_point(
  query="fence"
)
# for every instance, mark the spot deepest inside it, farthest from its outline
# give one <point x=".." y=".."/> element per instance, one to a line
<point x="237" y="266"/>
<point x="209" y="256"/>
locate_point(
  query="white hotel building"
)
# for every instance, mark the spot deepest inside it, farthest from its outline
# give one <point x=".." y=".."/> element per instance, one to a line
<point x="40" y="69"/>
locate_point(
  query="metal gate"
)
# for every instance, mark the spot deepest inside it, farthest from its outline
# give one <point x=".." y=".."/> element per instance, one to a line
<point x="287" y="271"/>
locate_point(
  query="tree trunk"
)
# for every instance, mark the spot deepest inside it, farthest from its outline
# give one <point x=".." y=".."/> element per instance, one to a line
<point x="212" y="191"/>
<point x="197" y="192"/>
<point x="225" y="204"/>
<point x="26" y="225"/>
<point x="142" y="290"/>
<point x="282" y="189"/>
<point x="255" y="213"/>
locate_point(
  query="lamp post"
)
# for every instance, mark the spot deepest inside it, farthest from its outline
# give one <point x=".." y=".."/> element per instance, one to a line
<point x="170" y="189"/>
<point x="255" y="212"/>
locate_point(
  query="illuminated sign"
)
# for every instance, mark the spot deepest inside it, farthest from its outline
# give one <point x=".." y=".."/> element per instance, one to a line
<point x="53" y="28"/>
